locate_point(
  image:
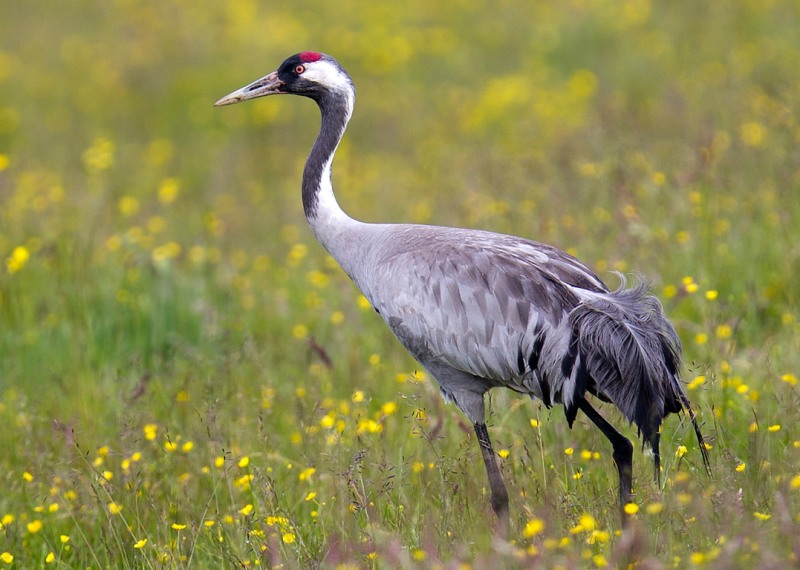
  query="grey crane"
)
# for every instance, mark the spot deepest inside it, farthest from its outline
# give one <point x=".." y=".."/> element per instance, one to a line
<point x="481" y="310"/>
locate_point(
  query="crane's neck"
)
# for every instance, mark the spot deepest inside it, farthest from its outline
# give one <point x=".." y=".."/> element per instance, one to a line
<point x="334" y="229"/>
<point x="318" y="199"/>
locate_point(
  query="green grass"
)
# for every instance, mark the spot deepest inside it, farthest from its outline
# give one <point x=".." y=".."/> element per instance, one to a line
<point x="176" y="350"/>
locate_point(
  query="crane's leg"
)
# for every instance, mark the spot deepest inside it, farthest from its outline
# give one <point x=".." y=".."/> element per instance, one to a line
<point x="496" y="484"/>
<point x="623" y="455"/>
<point x="657" y="458"/>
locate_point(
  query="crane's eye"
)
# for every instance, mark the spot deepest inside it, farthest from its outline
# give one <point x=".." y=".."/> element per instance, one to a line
<point x="299" y="69"/>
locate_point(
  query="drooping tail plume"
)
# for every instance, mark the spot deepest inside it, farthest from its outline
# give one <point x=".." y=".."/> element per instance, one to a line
<point x="632" y="353"/>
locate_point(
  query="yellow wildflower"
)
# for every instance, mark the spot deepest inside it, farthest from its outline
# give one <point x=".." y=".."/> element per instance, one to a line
<point x="752" y="133"/>
<point x="243" y="482"/>
<point x="689" y="284"/>
<point x="654" y="508"/>
<point x="18" y="258"/>
<point x="99" y="156"/>
<point x="698" y="380"/>
<point x="168" y="190"/>
<point x="587" y="522"/>
<point x="724" y="331"/>
<point x="150" y="431"/>
<point x="366" y="425"/>
<point x="128" y="205"/>
<point x="533" y="527"/>
<point x="601" y="536"/>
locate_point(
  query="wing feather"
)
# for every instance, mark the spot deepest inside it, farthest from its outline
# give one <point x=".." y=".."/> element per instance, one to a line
<point x="475" y="300"/>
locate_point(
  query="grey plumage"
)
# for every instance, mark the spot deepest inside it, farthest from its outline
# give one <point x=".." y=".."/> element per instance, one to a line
<point x="523" y="315"/>
<point x="481" y="310"/>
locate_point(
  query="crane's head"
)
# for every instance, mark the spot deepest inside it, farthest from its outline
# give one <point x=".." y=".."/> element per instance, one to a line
<point x="310" y="74"/>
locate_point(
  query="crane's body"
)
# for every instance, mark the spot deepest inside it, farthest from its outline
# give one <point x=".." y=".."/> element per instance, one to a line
<point x="481" y="310"/>
<point x="492" y="308"/>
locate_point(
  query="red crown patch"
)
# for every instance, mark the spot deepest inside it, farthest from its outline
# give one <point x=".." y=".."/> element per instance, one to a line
<point x="309" y="56"/>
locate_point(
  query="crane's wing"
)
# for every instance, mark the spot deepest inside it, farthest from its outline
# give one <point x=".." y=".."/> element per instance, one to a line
<point x="482" y="303"/>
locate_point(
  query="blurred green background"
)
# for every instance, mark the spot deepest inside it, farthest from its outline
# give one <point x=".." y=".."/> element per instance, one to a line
<point x="158" y="275"/>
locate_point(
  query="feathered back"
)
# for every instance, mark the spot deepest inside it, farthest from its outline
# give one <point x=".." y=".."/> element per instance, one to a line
<point x="623" y="343"/>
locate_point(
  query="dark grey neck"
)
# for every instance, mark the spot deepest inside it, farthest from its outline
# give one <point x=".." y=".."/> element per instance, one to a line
<point x="335" y="114"/>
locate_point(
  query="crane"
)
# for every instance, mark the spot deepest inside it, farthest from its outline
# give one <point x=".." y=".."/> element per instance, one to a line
<point x="480" y="310"/>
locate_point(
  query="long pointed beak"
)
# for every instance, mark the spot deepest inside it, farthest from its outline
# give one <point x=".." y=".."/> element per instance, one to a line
<point x="267" y="85"/>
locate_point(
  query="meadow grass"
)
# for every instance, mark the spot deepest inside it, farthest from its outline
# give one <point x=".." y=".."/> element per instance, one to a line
<point x="188" y="381"/>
